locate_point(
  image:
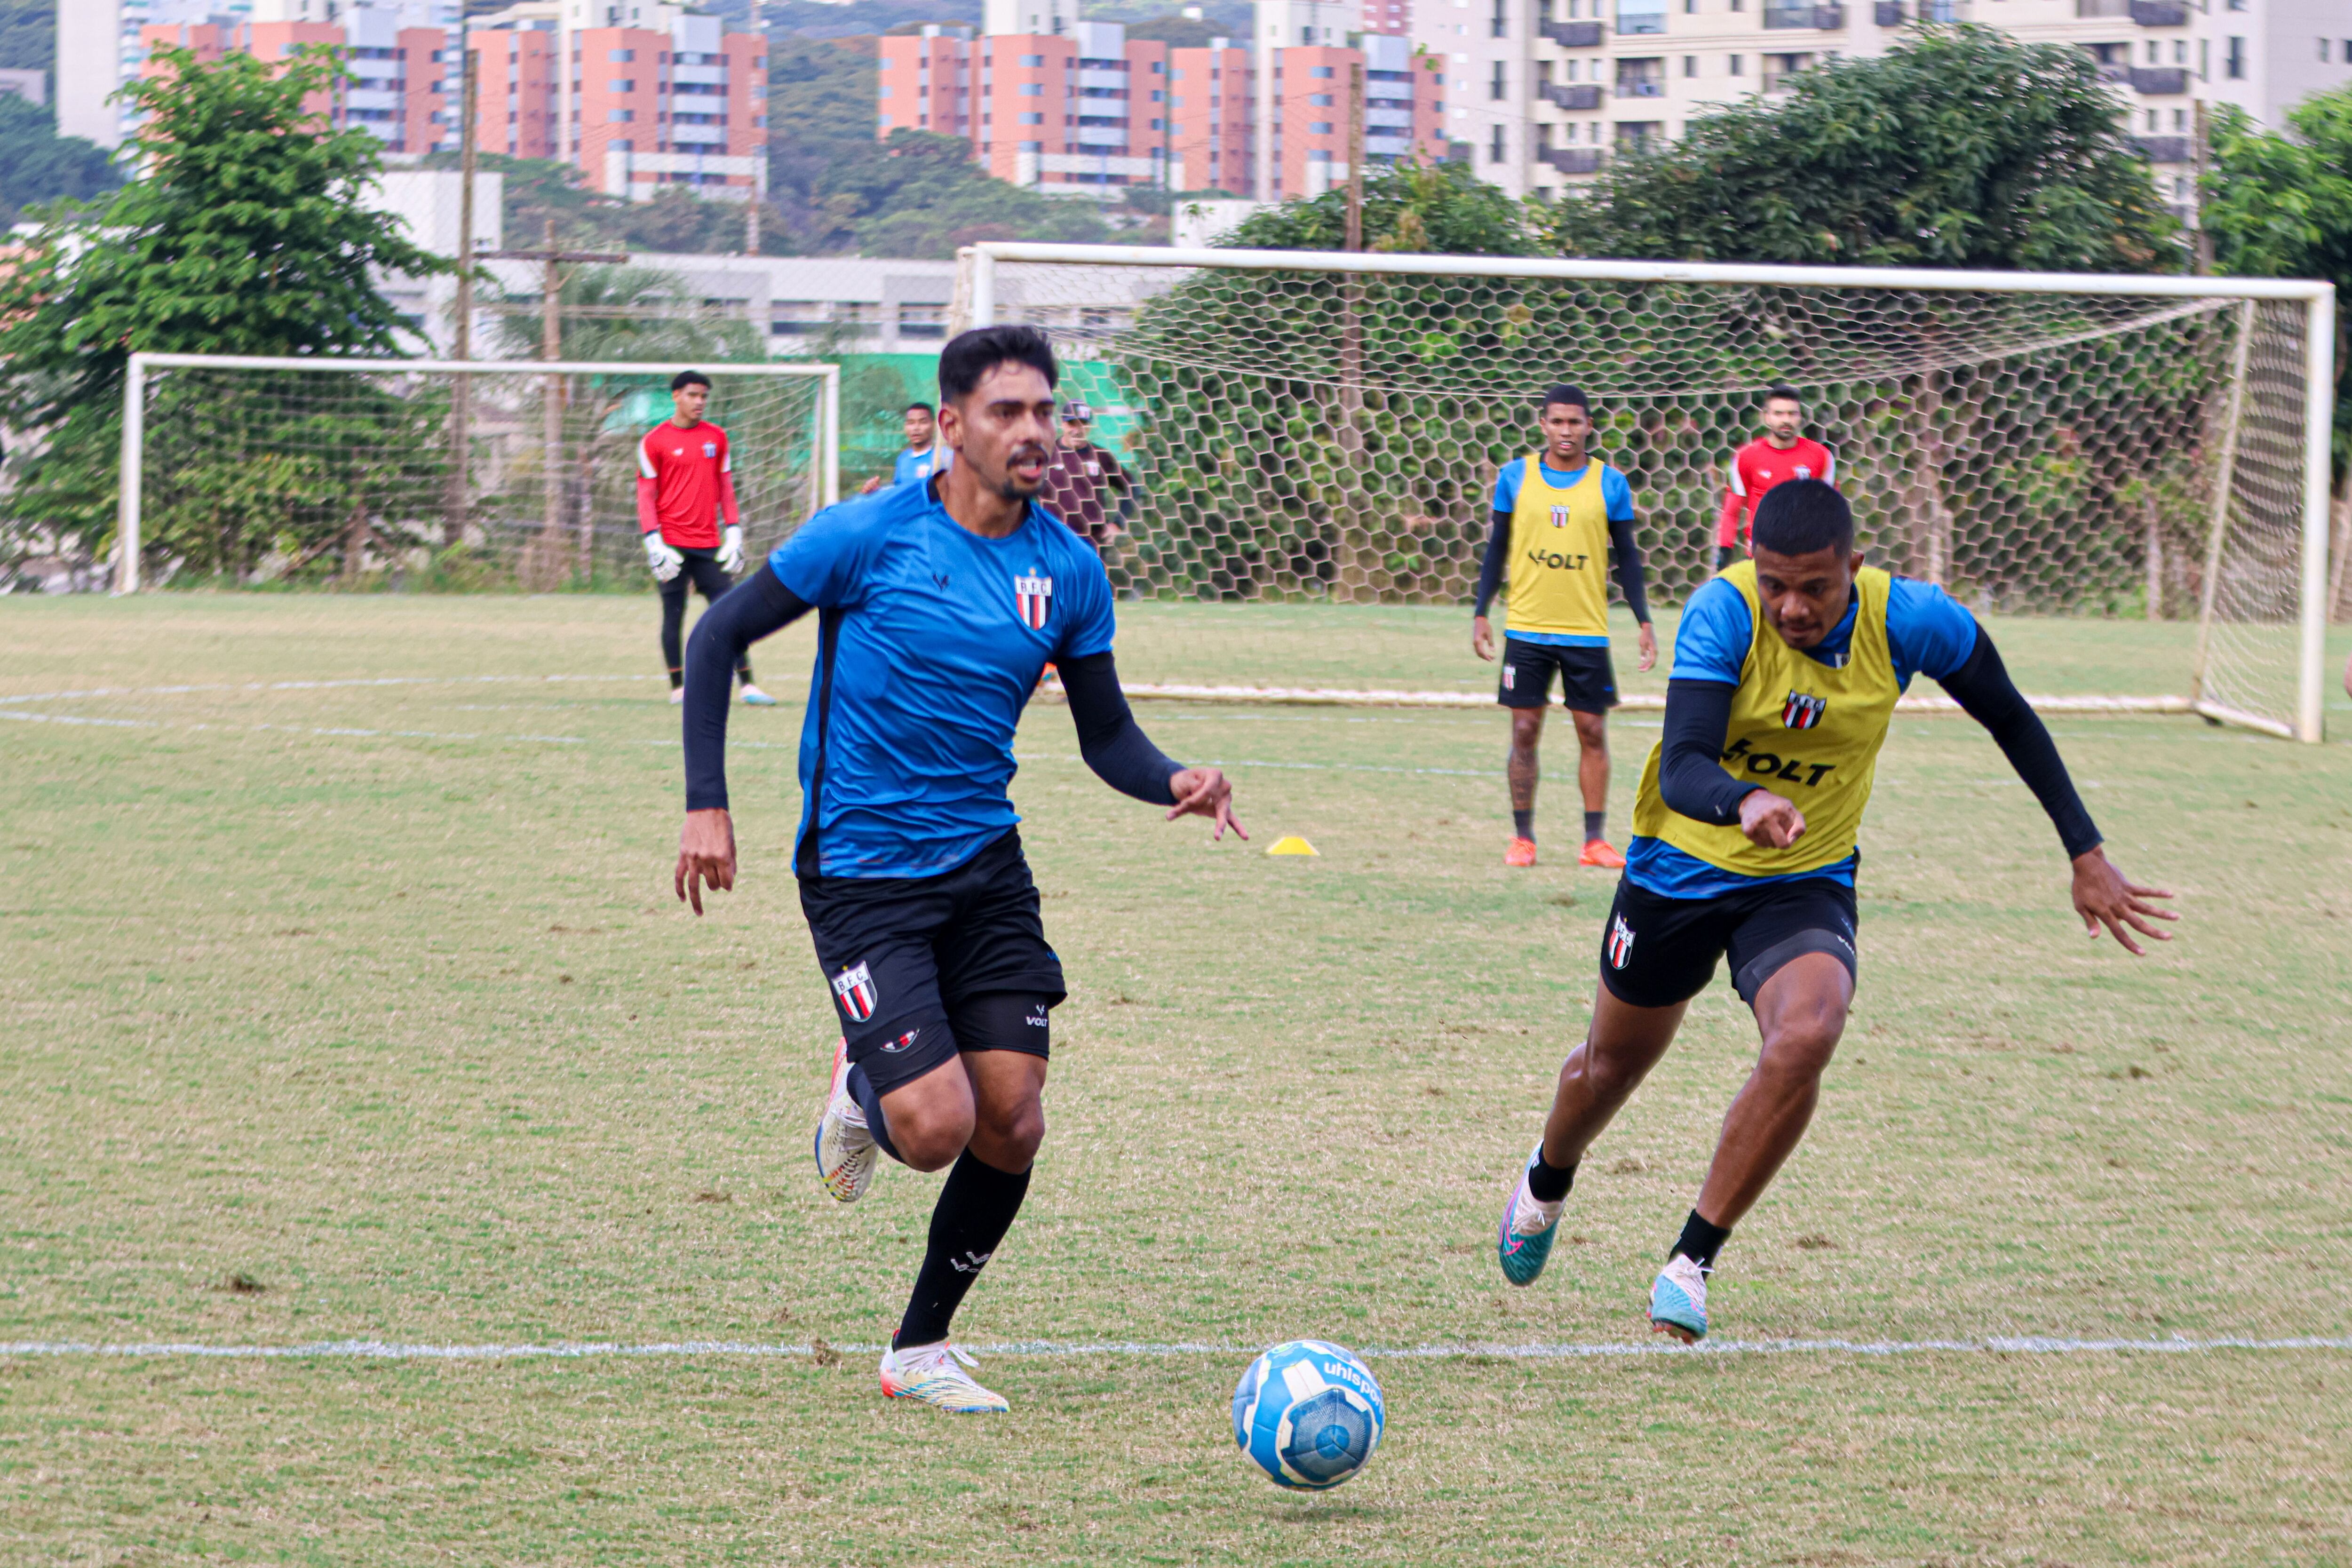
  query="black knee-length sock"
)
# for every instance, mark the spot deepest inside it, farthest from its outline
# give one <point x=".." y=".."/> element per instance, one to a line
<point x="975" y="1209"/>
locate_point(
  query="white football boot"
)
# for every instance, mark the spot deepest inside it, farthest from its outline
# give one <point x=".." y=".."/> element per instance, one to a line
<point x="935" y="1375"/>
<point x="1678" y="1300"/>
<point x="846" y="1149"/>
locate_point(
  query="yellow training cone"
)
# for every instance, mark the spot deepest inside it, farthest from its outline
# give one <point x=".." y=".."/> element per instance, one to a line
<point x="1294" y="844"/>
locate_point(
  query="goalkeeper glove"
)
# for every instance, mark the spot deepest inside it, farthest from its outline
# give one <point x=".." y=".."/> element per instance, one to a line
<point x="730" y="551"/>
<point x="664" y="561"/>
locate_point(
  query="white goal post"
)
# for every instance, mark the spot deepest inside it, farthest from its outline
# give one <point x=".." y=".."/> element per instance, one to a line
<point x="1317" y="426"/>
<point x="450" y="450"/>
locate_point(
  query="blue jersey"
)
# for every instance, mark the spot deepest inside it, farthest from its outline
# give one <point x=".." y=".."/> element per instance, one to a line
<point x="1928" y="633"/>
<point x="914" y="467"/>
<point x="930" y="640"/>
<point x="1616" y="500"/>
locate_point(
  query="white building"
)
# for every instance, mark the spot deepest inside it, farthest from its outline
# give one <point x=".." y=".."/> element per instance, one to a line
<point x="1490" y="48"/>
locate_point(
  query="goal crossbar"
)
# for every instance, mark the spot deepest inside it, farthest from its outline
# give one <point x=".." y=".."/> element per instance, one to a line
<point x="978" y="307"/>
<point x="128" y="520"/>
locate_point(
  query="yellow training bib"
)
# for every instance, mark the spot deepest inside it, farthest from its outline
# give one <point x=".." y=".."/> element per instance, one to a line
<point x="1560" y="555"/>
<point x="1807" y="732"/>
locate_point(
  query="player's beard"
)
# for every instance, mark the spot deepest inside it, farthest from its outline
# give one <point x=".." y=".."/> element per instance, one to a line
<point x="1011" y="489"/>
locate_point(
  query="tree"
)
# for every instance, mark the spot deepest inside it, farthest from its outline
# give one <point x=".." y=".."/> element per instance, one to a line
<point x="1426" y="208"/>
<point x="921" y="194"/>
<point x="1960" y="148"/>
<point x="37" y="165"/>
<point x="28" y="35"/>
<point x="246" y="235"/>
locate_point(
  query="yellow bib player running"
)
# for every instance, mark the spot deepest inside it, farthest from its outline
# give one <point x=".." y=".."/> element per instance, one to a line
<point x="1559" y="513"/>
<point x="1785" y="672"/>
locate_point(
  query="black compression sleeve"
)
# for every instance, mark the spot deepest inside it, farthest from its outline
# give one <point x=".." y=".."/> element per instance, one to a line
<point x="1490" y="570"/>
<point x="1690" y="765"/>
<point x="1630" y="576"/>
<point x="1112" y="743"/>
<point x="1985" y="692"/>
<point x="758" y="605"/>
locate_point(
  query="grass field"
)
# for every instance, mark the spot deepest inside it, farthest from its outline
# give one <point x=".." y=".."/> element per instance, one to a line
<point x="353" y="1011"/>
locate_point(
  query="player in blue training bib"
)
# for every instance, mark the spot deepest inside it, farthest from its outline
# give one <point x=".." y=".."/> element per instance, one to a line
<point x="938" y="606"/>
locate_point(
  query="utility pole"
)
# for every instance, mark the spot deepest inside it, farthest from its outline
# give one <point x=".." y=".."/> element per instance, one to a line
<point x="1355" y="240"/>
<point x="550" y="348"/>
<point x="2200" y="155"/>
<point x="461" y="390"/>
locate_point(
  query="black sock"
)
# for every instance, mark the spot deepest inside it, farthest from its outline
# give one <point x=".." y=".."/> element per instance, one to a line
<point x="1548" y="1183"/>
<point x="861" y="1089"/>
<point x="1523" y="823"/>
<point x="1596" y="826"/>
<point x="676" y="679"/>
<point x="975" y="1209"/>
<point x="1700" y="1242"/>
<point x="744" y="670"/>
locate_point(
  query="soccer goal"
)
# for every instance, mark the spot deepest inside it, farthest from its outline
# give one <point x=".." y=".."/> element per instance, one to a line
<point x="461" y="473"/>
<point x="1314" y="437"/>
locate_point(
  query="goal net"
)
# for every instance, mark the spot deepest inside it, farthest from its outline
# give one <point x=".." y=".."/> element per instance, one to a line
<point x="425" y="474"/>
<point x="1315" y="438"/>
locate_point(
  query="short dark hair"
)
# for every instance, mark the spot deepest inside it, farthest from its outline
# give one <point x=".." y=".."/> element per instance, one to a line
<point x="1797" y="516"/>
<point x="918" y="404"/>
<point x="1788" y="393"/>
<point x="1560" y="392"/>
<point x="972" y="355"/>
<point x="689" y="378"/>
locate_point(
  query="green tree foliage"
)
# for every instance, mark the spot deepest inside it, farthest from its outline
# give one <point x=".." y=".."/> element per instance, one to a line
<point x="37" y="165"/>
<point x="920" y="195"/>
<point x="28" y="35"/>
<point x="2281" y="206"/>
<point x="1960" y="147"/>
<point x="1432" y="209"/>
<point x="676" y="220"/>
<point x="246" y="235"/>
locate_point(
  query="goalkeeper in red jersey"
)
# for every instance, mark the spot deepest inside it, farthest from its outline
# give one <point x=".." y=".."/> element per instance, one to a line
<point x="1783" y="452"/>
<point x="686" y="482"/>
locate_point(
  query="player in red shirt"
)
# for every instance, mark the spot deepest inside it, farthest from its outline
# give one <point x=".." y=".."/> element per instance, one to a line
<point x="1781" y="453"/>
<point x="686" y="479"/>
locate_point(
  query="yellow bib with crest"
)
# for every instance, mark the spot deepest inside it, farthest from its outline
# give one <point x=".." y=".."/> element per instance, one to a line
<point x="1807" y="732"/>
<point x="1560" y="555"/>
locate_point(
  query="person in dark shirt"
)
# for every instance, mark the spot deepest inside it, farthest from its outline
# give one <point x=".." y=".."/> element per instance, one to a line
<point x="1082" y="478"/>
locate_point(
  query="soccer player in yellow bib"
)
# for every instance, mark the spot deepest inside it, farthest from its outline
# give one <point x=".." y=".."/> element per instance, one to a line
<point x="1786" y="671"/>
<point x="1558" y="513"/>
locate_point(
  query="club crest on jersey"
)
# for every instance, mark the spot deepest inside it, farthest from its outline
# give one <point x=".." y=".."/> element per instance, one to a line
<point x="1803" y="473"/>
<point x="1559" y="516"/>
<point x="1802" y="712"/>
<point x="1621" y="943"/>
<point x="710" y="448"/>
<point x="1033" y="597"/>
<point x="854" y="988"/>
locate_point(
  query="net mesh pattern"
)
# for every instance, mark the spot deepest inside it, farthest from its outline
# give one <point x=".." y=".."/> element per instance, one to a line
<point x="1312" y="436"/>
<point x="419" y="477"/>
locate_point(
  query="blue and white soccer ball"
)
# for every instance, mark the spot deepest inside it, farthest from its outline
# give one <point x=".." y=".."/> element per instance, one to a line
<point x="1308" y="1413"/>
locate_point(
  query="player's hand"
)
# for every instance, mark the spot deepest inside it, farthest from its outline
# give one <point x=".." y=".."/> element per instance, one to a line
<point x="1649" y="641"/>
<point x="1482" y="638"/>
<point x="705" y="854"/>
<point x="870" y="486"/>
<point x="1770" y="820"/>
<point x="1205" y="792"/>
<point x="731" y="552"/>
<point x="665" y="562"/>
<point x="2104" y="898"/>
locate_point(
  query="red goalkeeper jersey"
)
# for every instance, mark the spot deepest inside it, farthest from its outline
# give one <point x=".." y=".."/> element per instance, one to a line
<point x="1757" y="468"/>
<point x="686" y="480"/>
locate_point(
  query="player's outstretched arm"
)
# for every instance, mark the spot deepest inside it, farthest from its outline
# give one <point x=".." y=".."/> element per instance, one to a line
<point x="1115" y="746"/>
<point x="755" y="608"/>
<point x="2103" y="896"/>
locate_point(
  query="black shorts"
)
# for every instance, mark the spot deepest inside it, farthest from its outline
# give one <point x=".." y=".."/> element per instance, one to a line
<point x="906" y="957"/>
<point x="1656" y="951"/>
<point x="1588" y="681"/>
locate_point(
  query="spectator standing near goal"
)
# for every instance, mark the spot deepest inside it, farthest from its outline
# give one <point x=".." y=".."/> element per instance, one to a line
<point x="1558" y="513"/>
<point x="1780" y="454"/>
<point x="1079" y="474"/>
<point x="686" y="481"/>
<point x="922" y="458"/>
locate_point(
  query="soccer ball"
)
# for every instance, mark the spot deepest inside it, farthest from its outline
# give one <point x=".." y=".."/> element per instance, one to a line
<point x="1308" y="1413"/>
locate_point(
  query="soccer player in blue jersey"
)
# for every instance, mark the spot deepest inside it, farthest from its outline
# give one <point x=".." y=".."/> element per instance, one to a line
<point x="938" y="606"/>
<point x="922" y="456"/>
<point x="1786" y="667"/>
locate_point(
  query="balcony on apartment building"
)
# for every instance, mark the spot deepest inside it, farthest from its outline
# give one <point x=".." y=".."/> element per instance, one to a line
<point x="1575" y="34"/>
<point x="1571" y="159"/>
<point x="2144" y="13"/>
<point x="1779" y="68"/>
<point x="2163" y="148"/>
<point x="1571" y="95"/>
<point x="1641" y="79"/>
<point x="1822" y="17"/>
<point x="2159" y="81"/>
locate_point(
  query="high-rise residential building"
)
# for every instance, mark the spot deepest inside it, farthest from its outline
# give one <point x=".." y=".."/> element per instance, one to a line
<point x="1404" y="110"/>
<point x="1487" y="47"/>
<point x="1211" y="96"/>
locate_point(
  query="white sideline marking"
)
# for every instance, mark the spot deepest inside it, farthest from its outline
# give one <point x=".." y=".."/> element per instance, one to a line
<point x="1919" y="702"/>
<point x="383" y="1350"/>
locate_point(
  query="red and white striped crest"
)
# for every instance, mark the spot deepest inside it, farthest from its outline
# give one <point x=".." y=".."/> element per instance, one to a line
<point x="1621" y="943"/>
<point x="854" y="989"/>
<point x="1033" y="598"/>
<point x="1802" y="711"/>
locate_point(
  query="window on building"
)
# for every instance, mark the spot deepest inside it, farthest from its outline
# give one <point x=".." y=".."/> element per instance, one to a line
<point x="1033" y="61"/>
<point x="1778" y="69"/>
<point x="1499" y="24"/>
<point x="1033" y="119"/>
<point x="1690" y="65"/>
<point x="1636" y="16"/>
<point x="1499" y="88"/>
<point x="620" y="56"/>
<point x="1495" y="147"/>
<point x="1321" y="73"/>
<point x="1318" y="127"/>
<point x="922" y="321"/>
<point x="2235" y="63"/>
<point x="1639" y="135"/>
<point x="1739" y="64"/>
<point x="1032" y="90"/>
<point x="1320" y="99"/>
<point x="617" y="84"/>
<point x="617" y="116"/>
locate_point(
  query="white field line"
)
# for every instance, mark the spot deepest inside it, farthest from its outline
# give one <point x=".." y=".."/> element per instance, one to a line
<point x="314" y="685"/>
<point x="383" y="1350"/>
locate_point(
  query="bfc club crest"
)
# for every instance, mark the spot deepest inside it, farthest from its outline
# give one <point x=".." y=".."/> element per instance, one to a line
<point x="1034" y="599"/>
<point x="1804" y="472"/>
<point x="854" y="989"/>
<point x="1621" y="943"/>
<point x="1559" y="516"/>
<point x="1802" y="712"/>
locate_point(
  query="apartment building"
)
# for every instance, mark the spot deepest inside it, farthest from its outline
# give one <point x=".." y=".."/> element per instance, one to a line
<point x="1403" y="111"/>
<point x="1211" y="95"/>
<point x="1488" y="52"/>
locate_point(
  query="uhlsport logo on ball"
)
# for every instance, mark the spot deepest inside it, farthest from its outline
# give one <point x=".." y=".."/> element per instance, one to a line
<point x="1308" y="1413"/>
